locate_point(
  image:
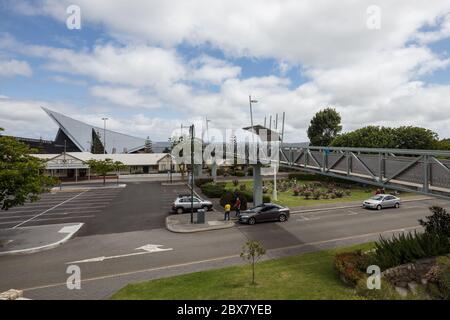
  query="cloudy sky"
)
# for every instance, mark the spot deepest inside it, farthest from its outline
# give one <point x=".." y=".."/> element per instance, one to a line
<point x="151" y="65"/>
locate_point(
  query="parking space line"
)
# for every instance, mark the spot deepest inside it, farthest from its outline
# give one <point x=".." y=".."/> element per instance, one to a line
<point x="40" y="214"/>
<point x="51" y="219"/>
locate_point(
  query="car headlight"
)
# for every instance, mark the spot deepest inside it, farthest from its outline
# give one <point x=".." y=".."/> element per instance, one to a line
<point x="244" y="217"/>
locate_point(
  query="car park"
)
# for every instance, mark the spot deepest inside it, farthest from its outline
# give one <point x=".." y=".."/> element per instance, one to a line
<point x="264" y="212"/>
<point x="381" y="201"/>
<point x="183" y="204"/>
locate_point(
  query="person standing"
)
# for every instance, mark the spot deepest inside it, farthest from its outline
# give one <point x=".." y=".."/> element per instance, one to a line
<point x="237" y="207"/>
<point x="227" y="212"/>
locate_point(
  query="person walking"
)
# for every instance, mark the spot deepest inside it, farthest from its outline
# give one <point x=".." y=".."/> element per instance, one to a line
<point x="227" y="212"/>
<point x="237" y="207"/>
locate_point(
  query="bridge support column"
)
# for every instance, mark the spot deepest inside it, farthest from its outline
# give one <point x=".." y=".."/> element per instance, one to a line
<point x="214" y="170"/>
<point x="257" y="185"/>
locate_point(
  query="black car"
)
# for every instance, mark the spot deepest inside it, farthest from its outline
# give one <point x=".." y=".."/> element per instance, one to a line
<point x="264" y="212"/>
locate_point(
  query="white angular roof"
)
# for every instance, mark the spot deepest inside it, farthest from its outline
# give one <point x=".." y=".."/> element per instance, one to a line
<point x="81" y="135"/>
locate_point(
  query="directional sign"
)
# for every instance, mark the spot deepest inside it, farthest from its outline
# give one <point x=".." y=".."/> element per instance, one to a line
<point x="148" y="248"/>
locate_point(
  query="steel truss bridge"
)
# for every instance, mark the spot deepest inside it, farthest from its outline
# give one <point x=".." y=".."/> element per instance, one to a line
<point x="421" y="171"/>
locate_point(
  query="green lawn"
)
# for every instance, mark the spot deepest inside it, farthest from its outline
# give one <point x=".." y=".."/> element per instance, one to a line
<point x="305" y="276"/>
<point x="288" y="199"/>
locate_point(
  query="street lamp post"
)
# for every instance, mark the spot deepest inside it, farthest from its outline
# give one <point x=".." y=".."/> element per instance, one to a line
<point x="191" y="133"/>
<point x="104" y="135"/>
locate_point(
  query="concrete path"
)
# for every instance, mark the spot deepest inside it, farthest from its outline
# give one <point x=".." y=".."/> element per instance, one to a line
<point x="35" y="239"/>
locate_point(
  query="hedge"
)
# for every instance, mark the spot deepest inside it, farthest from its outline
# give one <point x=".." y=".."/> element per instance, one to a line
<point x="201" y="181"/>
<point x="213" y="190"/>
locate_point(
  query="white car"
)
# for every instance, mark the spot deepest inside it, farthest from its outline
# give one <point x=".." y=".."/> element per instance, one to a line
<point x="381" y="201"/>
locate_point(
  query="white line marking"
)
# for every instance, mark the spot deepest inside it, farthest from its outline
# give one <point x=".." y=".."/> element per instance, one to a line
<point x="148" y="248"/>
<point x="40" y="214"/>
<point x="116" y="275"/>
<point x="51" y="219"/>
<point x="352" y="213"/>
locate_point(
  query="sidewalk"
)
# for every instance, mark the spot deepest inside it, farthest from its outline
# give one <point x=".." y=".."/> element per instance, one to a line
<point x="35" y="239"/>
<point x="181" y="223"/>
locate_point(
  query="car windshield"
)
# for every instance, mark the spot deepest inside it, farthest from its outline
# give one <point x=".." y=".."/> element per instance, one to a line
<point x="257" y="208"/>
<point x="377" y="198"/>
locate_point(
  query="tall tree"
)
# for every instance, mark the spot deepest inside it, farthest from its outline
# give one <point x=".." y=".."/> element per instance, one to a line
<point x="324" y="127"/>
<point x="21" y="175"/>
<point x="385" y="137"/>
<point x="103" y="167"/>
<point x="148" y="148"/>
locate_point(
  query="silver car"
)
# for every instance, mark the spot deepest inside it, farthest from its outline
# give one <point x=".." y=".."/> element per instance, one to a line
<point x="381" y="201"/>
<point x="183" y="204"/>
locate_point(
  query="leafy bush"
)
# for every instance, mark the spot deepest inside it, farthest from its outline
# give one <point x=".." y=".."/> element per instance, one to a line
<point x="386" y="292"/>
<point x="239" y="173"/>
<point x="408" y="247"/>
<point x="235" y="182"/>
<point x="443" y="277"/>
<point x="250" y="171"/>
<point x="317" y="194"/>
<point x="243" y="187"/>
<point x="201" y="181"/>
<point x="438" y="222"/>
<point x="230" y="197"/>
<point x="339" y="193"/>
<point x="266" y="198"/>
<point x="307" y="194"/>
<point x="351" y="266"/>
<point x="296" y="191"/>
<point x="213" y="190"/>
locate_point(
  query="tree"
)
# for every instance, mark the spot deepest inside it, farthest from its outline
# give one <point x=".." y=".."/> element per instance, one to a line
<point x="102" y="167"/>
<point x="252" y="252"/>
<point x="438" y="222"/>
<point x="409" y="137"/>
<point x="21" y="175"/>
<point x="406" y="137"/>
<point x="148" y="148"/>
<point x="367" y="137"/>
<point x="324" y="127"/>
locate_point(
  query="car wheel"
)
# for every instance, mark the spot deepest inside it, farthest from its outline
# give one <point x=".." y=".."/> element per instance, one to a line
<point x="379" y="207"/>
<point x="282" y="218"/>
<point x="180" y="210"/>
<point x="251" y="221"/>
<point x="397" y="205"/>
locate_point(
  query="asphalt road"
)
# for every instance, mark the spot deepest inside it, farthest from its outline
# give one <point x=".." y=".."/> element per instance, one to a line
<point x="115" y="247"/>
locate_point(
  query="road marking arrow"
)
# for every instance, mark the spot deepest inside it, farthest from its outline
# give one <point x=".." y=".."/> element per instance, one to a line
<point x="148" y="248"/>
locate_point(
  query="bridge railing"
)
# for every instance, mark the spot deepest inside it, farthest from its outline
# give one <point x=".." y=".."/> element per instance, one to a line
<point x="422" y="171"/>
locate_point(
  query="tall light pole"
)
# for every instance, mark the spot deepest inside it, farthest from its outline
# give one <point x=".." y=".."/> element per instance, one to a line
<point x="250" y="100"/>
<point x="104" y="135"/>
<point x="191" y="133"/>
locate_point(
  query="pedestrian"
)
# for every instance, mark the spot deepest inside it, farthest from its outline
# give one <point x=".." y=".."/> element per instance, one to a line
<point x="237" y="207"/>
<point x="227" y="212"/>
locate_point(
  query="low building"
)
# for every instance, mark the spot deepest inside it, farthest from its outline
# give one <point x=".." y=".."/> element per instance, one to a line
<point x="73" y="165"/>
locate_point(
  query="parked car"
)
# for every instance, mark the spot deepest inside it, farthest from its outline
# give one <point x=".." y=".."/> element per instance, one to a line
<point x="183" y="204"/>
<point x="264" y="212"/>
<point x="381" y="201"/>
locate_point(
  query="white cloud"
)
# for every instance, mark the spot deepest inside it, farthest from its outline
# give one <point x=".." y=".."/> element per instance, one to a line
<point x="371" y="76"/>
<point x="14" y="67"/>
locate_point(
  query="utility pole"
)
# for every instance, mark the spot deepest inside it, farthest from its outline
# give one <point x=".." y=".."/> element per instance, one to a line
<point x="191" y="131"/>
<point x="104" y="135"/>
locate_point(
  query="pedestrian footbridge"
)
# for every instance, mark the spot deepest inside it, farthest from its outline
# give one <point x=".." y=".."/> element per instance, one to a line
<point x="421" y="171"/>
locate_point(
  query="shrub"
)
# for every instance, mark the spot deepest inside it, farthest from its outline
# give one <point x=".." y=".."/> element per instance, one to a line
<point x="201" y="181"/>
<point x="317" y="194"/>
<point x="243" y="187"/>
<point x="266" y="198"/>
<point x="235" y="182"/>
<point x="325" y="196"/>
<point x="438" y="222"/>
<point x="230" y="197"/>
<point x="213" y="190"/>
<point x="307" y="194"/>
<point x="386" y="292"/>
<point x="339" y="193"/>
<point x="296" y="191"/>
<point x="250" y="171"/>
<point x="239" y="173"/>
<point x="443" y="277"/>
<point x="351" y="266"/>
<point x="408" y="247"/>
<point x="348" y="193"/>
